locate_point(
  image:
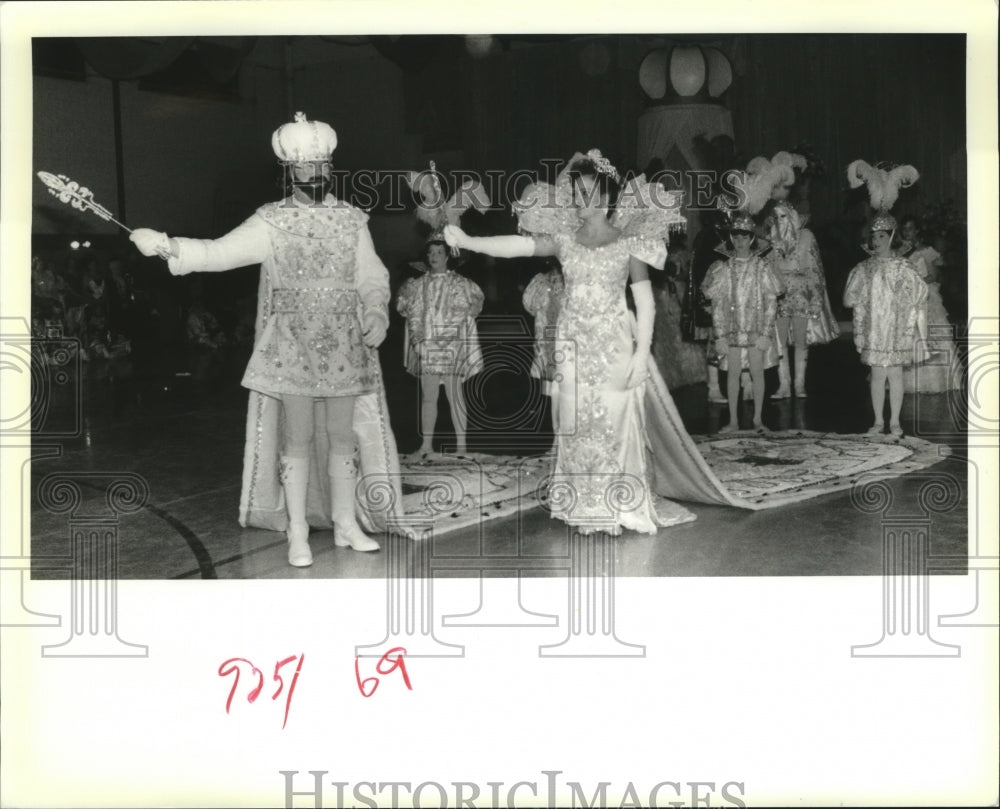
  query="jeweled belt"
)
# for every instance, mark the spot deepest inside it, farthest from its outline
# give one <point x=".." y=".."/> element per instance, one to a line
<point x="314" y="301"/>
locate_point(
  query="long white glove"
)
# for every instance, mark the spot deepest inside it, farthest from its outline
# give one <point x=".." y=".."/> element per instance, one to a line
<point x="645" y="311"/>
<point x="496" y="246"/>
<point x="151" y="242"/>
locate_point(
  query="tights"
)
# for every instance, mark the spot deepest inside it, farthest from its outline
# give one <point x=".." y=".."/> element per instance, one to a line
<point x="894" y="373"/>
<point x="299" y="424"/>
<point x="798" y="329"/>
<point x="429" y="388"/>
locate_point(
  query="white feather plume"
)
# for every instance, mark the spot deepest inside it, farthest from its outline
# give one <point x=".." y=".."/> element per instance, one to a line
<point x="883" y="186"/>
<point x="796" y="161"/>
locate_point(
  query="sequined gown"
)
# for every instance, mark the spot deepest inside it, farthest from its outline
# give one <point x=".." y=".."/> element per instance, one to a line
<point x="441" y="334"/>
<point x="616" y="446"/>
<point x="320" y="276"/>
<point x="889" y="300"/>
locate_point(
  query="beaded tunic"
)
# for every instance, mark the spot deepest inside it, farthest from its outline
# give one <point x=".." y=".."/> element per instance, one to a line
<point x="744" y="295"/>
<point x="801" y="271"/>
<point x="441" y="334"/>
<point x="889" y="300"/>
<point x="323" y="276"/>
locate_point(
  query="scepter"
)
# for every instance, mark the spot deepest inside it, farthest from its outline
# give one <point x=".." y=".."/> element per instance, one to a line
<point x="82" y="198"/>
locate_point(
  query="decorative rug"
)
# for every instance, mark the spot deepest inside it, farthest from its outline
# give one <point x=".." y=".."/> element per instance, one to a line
<point x="784" y="467"/>
<point x="453" y="492"/>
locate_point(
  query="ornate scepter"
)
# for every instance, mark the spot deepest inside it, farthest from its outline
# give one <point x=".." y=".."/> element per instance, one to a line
<point x="80" y="197"/>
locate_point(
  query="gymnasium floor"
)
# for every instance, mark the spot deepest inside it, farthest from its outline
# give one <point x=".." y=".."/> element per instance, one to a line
<point x="184" y="436"/>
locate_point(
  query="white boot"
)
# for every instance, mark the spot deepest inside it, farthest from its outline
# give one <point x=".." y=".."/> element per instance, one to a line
<point x="714" y="393"/>
<point x="747" y="385"/>
<point x="784" y="380"/>
<point x="801" y="359"/>
<point x="295" y="482"/>
<point x="343" y="482"/>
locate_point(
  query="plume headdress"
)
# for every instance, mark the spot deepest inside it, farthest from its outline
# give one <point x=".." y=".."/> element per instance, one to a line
<point x="883" y="184"/>
<point x="432" y="207"/>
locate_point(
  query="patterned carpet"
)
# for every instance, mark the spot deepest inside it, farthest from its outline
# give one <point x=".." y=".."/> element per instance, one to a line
<point x="786" y="467"/>
<point x="454" y="492"/>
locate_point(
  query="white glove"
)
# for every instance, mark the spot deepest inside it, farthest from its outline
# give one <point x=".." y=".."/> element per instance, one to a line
<point x="638" y="370"/>
<point x="645" y="310"/>
<point x="373" y="328"/>
<point x="496" y="246"/>
<point x="454" y="236"/>
<point x="151" y="242"/>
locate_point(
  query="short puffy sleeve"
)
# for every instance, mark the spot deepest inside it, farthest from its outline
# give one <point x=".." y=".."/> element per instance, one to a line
<point x="536" y="294"/>
<point x="547" y="210"/>
<point x="775" y="286"/>
<point x="714" y="278"/>
<point x="473" y="296"/>
<point x="407" y="293"/>
<point x="854" y="289"/>
<point x="647" y="210"/>
<point x="651" y="251"/>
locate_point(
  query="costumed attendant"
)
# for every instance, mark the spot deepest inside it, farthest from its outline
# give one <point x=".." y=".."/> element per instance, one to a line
<point x="542" y="300"/>
<point x="317" y="399"/>
<point x="805" y="317"/>
<point x="603" y="467"/>
<point x="768" y="179"/>
<point x="744" y="294"/>
<point x="442" y="342"/>
<point x="939" y="373"/>
<point x="889" y="298"/>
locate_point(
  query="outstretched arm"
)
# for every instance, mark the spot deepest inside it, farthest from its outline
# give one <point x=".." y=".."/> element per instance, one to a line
<point x="248" y="244"/>
<point x="499" y="246"/>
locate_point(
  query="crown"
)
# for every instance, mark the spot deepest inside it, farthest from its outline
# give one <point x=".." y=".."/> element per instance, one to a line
<point x="602" y="164"/>
<point x="742" y="221"/>
<point x="883" y="220"/>
<point x="303" y="141"/>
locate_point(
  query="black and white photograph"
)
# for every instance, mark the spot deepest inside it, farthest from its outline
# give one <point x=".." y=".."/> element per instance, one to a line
<point x="376" y="386"/>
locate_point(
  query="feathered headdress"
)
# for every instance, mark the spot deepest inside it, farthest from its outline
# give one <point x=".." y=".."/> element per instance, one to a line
<point x="764" y="178"/>
<point x="434" y="210"/>
<point x="883" y="188"/>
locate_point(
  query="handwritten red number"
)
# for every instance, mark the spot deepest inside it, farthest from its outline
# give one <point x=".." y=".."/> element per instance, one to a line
<point x="393" y="663"/>
<point x="232" y="666"/>
<point x="226" y="669"/>
<point x="361" y="683"/>
<point x="291" y="688"/>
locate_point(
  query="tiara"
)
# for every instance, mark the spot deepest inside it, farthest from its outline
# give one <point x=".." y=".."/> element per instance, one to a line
<point x="602" y="164"/>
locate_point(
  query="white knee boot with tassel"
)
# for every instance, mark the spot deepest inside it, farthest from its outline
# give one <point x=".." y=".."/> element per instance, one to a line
<point x="295" y="483"/>
<point x="343" y="482"/>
